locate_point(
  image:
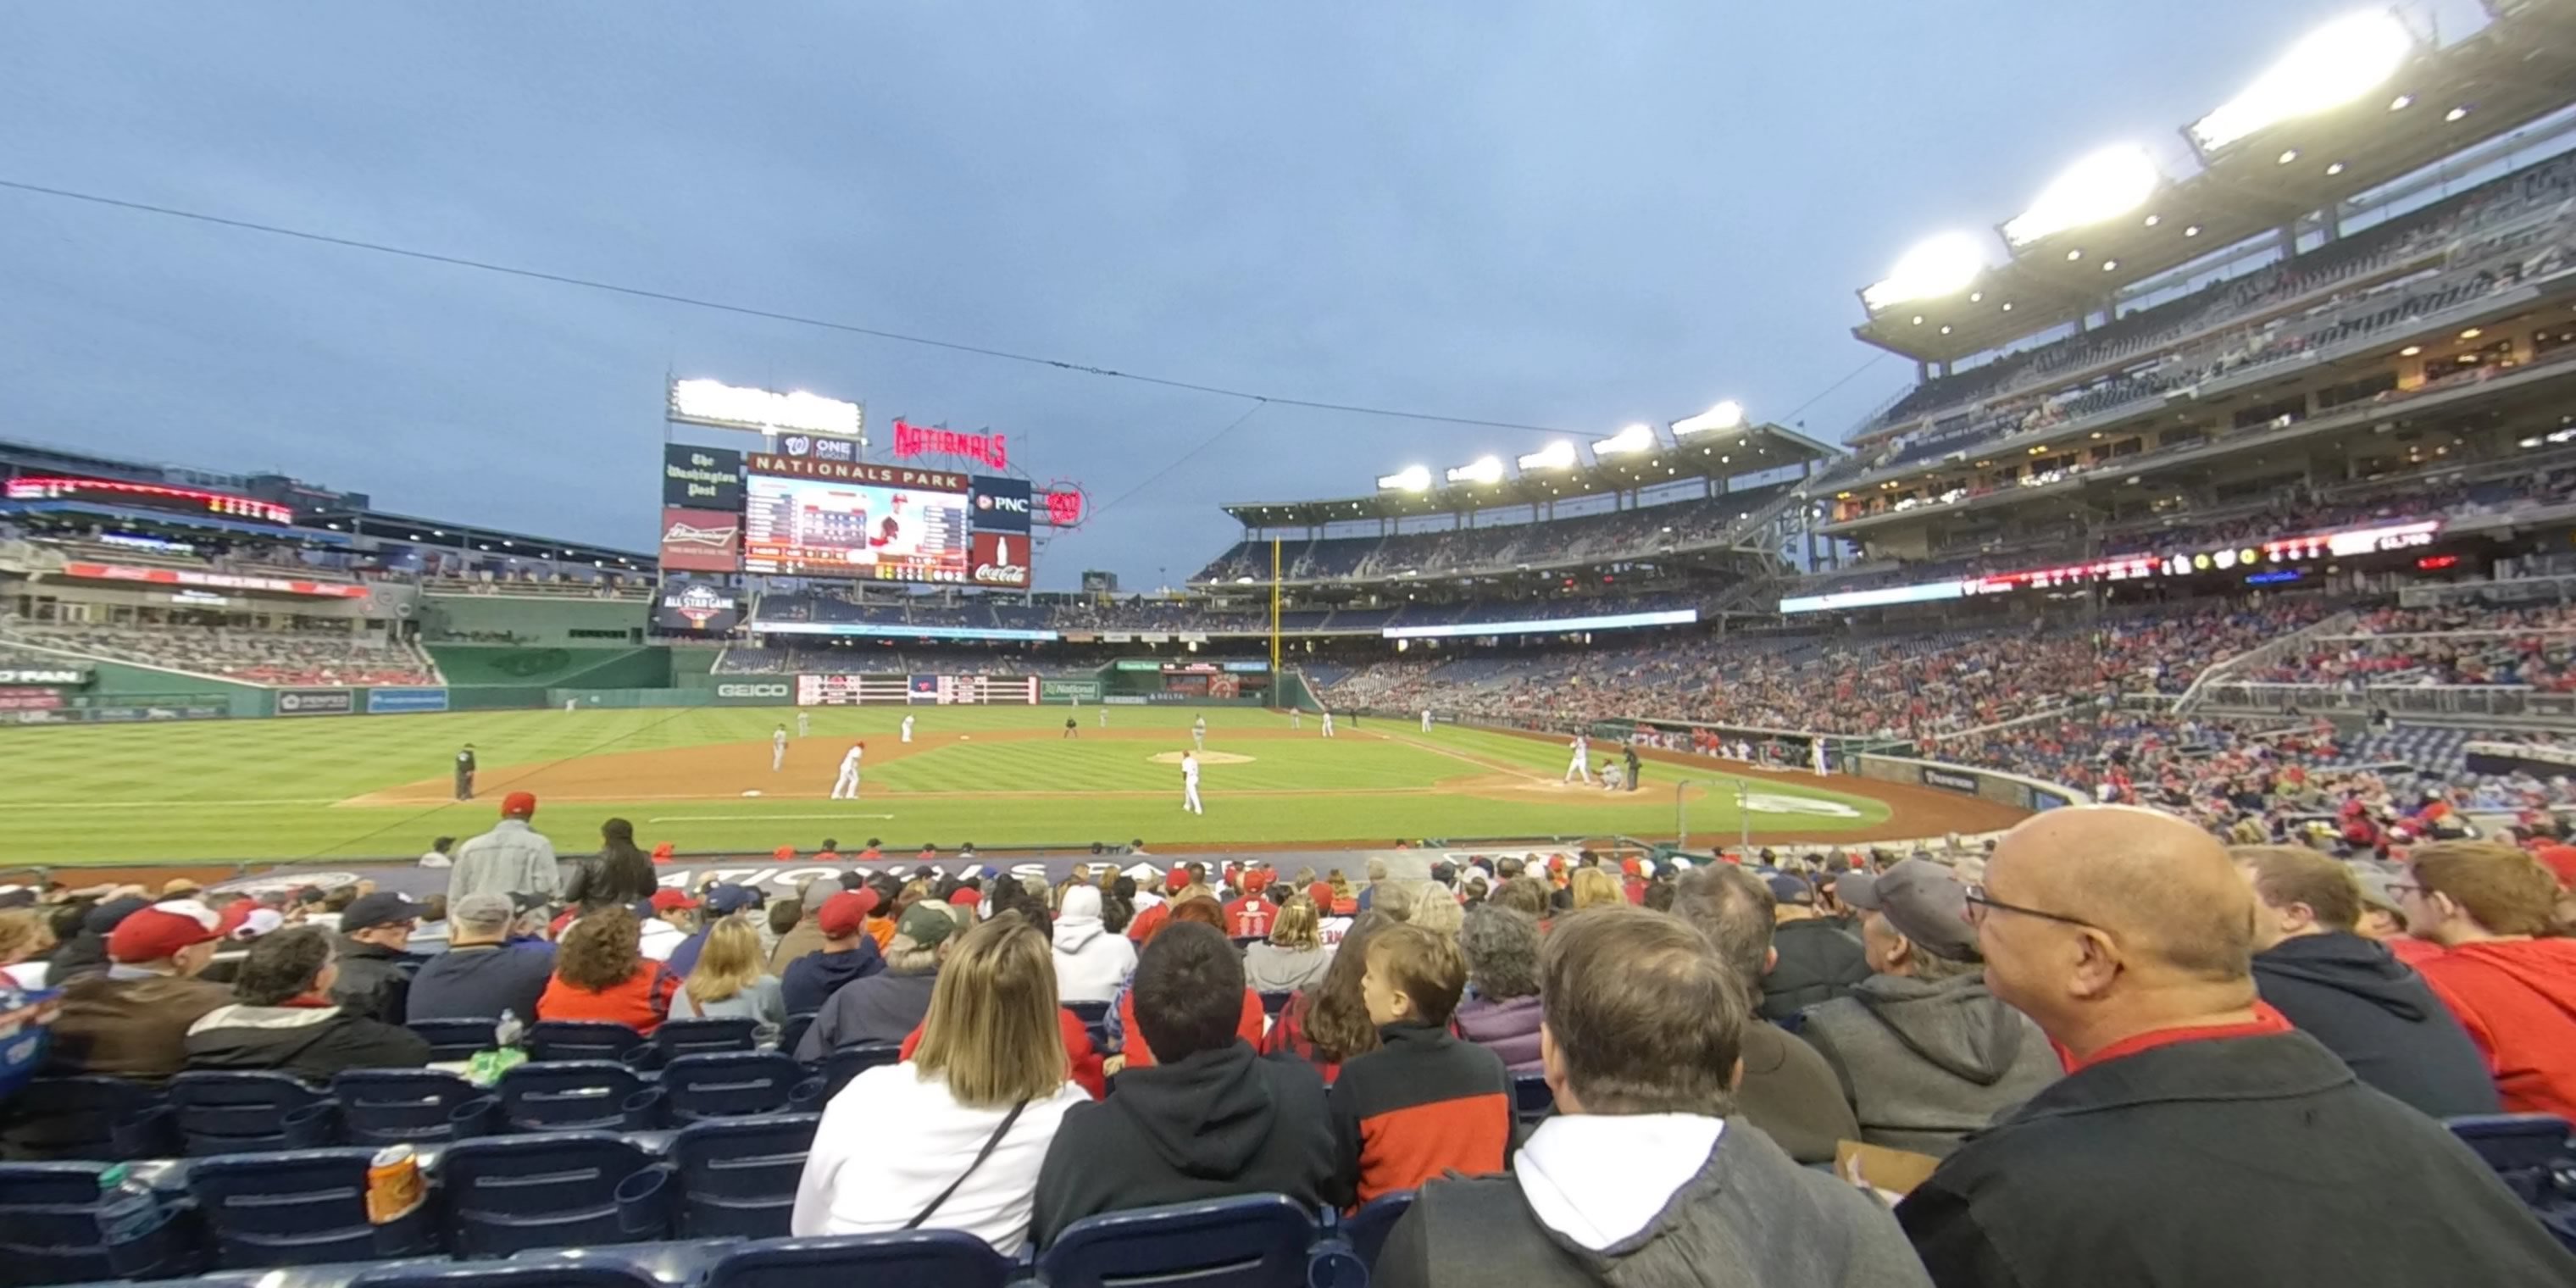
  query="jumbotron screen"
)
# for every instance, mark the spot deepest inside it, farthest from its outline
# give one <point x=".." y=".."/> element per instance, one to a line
<point x="813" y="528"/>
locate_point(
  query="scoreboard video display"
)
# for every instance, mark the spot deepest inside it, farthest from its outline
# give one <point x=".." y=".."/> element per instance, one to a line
<point x="806" y="527"/>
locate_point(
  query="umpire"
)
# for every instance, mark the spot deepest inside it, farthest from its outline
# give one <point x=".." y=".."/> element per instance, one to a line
<point x="1629" y="750"/>
<point x="465" y="773"/>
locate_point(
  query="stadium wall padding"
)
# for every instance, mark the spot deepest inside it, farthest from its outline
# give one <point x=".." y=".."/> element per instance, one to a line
<point x="1968" y="780"/>
<point x="115" y="680"/>
<point x="533" y="619"/>
<point x="693" y="667"/>
<point x="541" y="668"/>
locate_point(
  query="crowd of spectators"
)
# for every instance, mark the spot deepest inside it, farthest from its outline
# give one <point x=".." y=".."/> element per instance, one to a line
<point x="1602" y="537"/>
<point x="2459" y="645"/>
<point x="327" y="653"/>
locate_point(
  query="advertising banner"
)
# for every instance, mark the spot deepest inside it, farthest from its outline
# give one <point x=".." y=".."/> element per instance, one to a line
<point x="683" y="606"/>
<point x="405" y="701"/>
<point x="1949" y="780"/>
<point x="30" y="699"/>
<point x="1001" y="505"/>
<point x="700" y="540"/>
<point x="51" y="677"/>
<point x="896" y="476"/>
<point x="755" y="693"/>
<point x="229" y="581"/>
<point x="1068" y="690"/>
<point x="912" y="440"/>
<point x="316" y="702"/>
<point x="1001" y="559"/>
<point x="702" y="478"/>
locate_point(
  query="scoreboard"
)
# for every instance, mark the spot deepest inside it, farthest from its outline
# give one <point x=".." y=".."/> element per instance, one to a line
<point x="916" y="690"/>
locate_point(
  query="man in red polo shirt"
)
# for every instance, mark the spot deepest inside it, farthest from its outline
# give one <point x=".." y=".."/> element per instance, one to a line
<point x="2194" y="1124"/>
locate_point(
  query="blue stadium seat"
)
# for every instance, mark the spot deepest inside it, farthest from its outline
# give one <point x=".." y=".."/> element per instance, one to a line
<point x="410" y="1106"/>
<point x="738" y="1177"/>
<point x="851" y="1061"/>
<point x="551" y="1040"/>
<point x="454" y="1040"/>
<point x="1531" y="1098"/>
<point x="677" y="1038"/>
<point x="1366" y="1229"/>
<point x="508" y="1194"/>
<point x="793" y="1031"/>
<point x="512" y="1274"/>
<point x="2535" y="1156"/>
<point x="1256" y="1241"/>
<point x="299" y="1208"/>
<point x="240" y="1113"/>
<point x="908" y="1259"/>
<point x="86" y="1117"/>
<point x="50" y="1231"/>
<point x="578" y="1095"/>
<point x="732" y="1085"/>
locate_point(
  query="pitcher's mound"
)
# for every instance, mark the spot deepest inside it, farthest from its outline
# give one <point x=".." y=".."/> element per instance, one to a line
<point x="1205" y="758"/>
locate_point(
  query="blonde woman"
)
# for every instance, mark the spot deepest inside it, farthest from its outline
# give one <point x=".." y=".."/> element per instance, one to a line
<point x="1594" y="888"/>
<point x="952" y="1140"/>
<point x="1435" y="908"/>
<point x="1294" y="956"/>
<point x="731" y="981"/>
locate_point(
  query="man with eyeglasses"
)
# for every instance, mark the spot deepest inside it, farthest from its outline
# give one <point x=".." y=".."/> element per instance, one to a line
<point x="2197" y="1138"/>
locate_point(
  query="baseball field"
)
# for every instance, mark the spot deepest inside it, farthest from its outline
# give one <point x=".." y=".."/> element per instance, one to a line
<point x="701" y="779"/>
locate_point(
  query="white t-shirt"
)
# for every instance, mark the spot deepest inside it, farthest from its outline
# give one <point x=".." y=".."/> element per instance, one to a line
<point x="892" y="1140"/>
<point x="659" y="939"/>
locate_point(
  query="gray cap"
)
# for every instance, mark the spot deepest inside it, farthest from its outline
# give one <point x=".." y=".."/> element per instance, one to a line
<point x="2375" y="891"/>
<point x="483" y="914"/>
<point x="1923" y="902"/>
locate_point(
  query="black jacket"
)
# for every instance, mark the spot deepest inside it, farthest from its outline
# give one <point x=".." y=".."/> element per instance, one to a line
<point x="884" y="1007"/>
<point x="611" y="876"/>
<point x="1424" y="1104"/>
<point x="1218" y="1124"/>
<point x="2376" y="1013"/>
<point x="2218" y="1162"/>
<point x="1818" y="963"/>
<point x="311" y="1042"/>
<point x="375" y="981"/>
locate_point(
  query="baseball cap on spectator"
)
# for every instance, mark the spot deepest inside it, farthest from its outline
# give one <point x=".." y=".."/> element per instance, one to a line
<point x="483" y="914"/>
<point x="1789" y="889"/>
<point x="662" y="853"/>
<point x="383" y="908"/>
<point x="783" y="853"/>
<point x="150" y="934"/>
<point x="1176" y="880"/>
<point x="179" y="885"/>
<point x="846" y="913"/>
<point x="1321" y="895"/>
<point x="259" y="921"/>
<point x="1923" y="902"/>
<point x="111" y="914"/>
<point x="2561" y="862"/>
<point x="2375" y="889"/>
<point x="670" y="900"/>
<point x="726" y="898"/>
<point x="519" y="805"/>
<point x="962" y="897"/>
<point x="925" y="924"/>
<point x="309" y="894"/>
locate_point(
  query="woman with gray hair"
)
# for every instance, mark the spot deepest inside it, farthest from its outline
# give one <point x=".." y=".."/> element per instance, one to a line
<point x="1501" y="946"/>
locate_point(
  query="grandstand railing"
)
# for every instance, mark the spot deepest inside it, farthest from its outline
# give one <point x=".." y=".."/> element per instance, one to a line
<point x="2553" y="589"/>
<point x="2509" y="701"/>
<point x="2260" y="655"/>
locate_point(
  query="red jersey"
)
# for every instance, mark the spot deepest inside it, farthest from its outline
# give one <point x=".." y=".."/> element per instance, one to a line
<point x="1249" y="917"/>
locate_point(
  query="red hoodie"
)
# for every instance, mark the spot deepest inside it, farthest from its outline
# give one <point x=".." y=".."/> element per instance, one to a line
<point x="2517" y="999"/>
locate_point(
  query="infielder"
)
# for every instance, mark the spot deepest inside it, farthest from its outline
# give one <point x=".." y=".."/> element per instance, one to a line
<point x="1328" y="724"/>
<point x="1296" y="717"/>
<point x="1104" y="718"/>
<point x="1198" y="732"/>
<point x="907" y="728"/>
<point x="778" y="749"/>
<point x="1190" y="784"/>
<point x="846" y="787"/>
<point x="1426" y="720"/>
<point x="803" y="724"/>
<point x="1582" y="765"/>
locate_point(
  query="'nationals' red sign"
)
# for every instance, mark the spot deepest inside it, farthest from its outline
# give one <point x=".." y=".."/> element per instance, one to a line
<point x="931" y="440"/>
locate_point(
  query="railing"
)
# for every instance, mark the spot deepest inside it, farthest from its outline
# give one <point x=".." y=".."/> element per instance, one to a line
<point x="2554" y="589"/>
<point x="2257" y="656"/>
<point x="2497" y="700"/>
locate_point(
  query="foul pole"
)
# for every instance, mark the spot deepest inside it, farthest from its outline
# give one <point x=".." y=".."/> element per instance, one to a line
<point x="1274" y="611"/>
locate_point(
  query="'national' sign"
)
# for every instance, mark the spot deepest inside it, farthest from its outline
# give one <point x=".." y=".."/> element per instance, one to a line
<point x="931" y="440"/>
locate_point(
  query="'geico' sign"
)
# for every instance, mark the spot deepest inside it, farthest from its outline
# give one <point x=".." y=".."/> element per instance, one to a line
<point x="777" y="690"/>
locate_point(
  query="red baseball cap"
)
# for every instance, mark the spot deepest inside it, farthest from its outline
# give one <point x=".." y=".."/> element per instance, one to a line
<point x="1322" y="894"/>
<point x="668" y="899"/>
<point x="965" y="897"/>
<point x="1176" y="880"/>
<point x="163" y="929"/>
<point x="662" y="852"/>
<point x="845" y="913"/>
<point x="783" y="853"/>
<point x="519" y="805"/>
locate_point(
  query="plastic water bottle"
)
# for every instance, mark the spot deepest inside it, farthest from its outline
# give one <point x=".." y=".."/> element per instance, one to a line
<point x="509" y="1031"/>
<point x="128" y="1207"/>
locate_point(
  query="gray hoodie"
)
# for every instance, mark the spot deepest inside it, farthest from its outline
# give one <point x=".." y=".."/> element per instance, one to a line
<point x="1926" y="1063"/>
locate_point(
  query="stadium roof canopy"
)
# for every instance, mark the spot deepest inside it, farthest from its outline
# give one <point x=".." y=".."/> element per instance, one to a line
<point x="2517" y="69"/>
<point x="1720" y="454"/>
<point x="440" y="533"/>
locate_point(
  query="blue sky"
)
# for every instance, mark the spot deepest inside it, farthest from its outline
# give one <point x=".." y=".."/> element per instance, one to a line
<point x="1552" y="214"/>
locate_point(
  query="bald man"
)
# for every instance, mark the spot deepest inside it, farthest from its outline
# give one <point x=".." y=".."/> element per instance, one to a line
<point x="2197" y="1138"/>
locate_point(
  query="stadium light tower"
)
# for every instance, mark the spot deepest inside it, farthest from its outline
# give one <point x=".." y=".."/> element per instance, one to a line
<point x="1635" y="438"/>
<point x="1484" y="469"/>
<point x="1412" y="478"/>
<point x="1555" y="456"/>
<point x="2104" y="185"/>
<point x="1725" y="415"/>
<point x="1939" y="265"/>
<point x="2329" y="67"/>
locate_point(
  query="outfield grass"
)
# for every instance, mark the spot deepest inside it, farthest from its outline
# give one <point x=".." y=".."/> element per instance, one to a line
<point x="283" y="789"/>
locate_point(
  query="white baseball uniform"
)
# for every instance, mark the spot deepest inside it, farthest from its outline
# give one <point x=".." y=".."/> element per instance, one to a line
<point x="1328" y="724"/>
<point x="846" y="787"/>
<point x="1198" y="731"/>
<point x="1582" y="766"/>
<point x="778" y="749"/>
<point x="802" y="728"/>
<point x="1190" y="784"/>
<point x="907" y="728"/>
<point x="571" y="703"/>
<point x="1426" y="720"/>
<point x="1296" y="717"/>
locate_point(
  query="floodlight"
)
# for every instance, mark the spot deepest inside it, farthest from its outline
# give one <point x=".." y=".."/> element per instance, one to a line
<point x="2104" y="185"/>
<point x="1555" y="456"/>
<point x="2329" y="67"/>
<point x="1412" y="478"/>
<point x="1484" y="469"/>
<point x="713" y="402"/>
<point x="1725" y="415"/>
<point x="1940" y="265"/>
<point x="1635" y="438"/>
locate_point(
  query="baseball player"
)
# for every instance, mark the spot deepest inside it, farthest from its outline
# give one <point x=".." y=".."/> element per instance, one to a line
<point x="1071" y="730"/>
<point x="1582" y="765"/>
<point x="1426" y="720"/>
<point x="1198" y="732"/>
<point x="1190" y="783"/>
<point x="1104" y="717"/>
<point x="465" y="773"/>
<point x="778" y="749"/>
<point x="907" y="728"/>
<point x="846" y="787"/>
<point x="803" y="724"/>
<point x="571" y="704"/>
<point x="1328" y="724"/>
<point x="1296" y="717"/>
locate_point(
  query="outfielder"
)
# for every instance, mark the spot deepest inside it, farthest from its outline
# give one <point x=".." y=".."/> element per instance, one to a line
<point x="803" y="725"/>
<point x="1328" y="724"/>
<point x="1426" y="720"/>
<point x="1190" y="783"/>
<point x="1198" y="732"/>
<point x="846" y="787"/>
<point x="778" y="749"/>
<point x="907" y="728"/>
<point x="1582" y="765"/>
<point x="1296" y="717"/>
